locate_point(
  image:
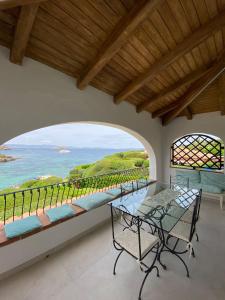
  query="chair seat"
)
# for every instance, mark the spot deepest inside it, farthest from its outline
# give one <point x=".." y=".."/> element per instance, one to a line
<point x="58" y="213"/>
<point x="181" y="231"/>
<point x="129" y="241"/>
<point x="20" y="227"/>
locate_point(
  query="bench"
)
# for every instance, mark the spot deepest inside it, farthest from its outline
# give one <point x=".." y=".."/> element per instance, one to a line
<point x="32" y="224"/>
<point x="211" y="183"/>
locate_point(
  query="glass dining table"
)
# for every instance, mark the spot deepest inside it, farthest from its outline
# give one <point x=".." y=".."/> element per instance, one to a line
<point x="173" y="201"/>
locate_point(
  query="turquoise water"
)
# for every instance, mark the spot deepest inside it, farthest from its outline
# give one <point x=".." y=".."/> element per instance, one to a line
<point x="35" y="161"/>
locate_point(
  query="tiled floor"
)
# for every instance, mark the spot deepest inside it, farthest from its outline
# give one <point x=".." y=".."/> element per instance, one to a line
<point x="83" y="270"/>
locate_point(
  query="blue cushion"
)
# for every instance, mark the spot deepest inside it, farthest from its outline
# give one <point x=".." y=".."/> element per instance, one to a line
<point x="93" y="200"/>
<point x="58" y="213"/>
<point x="142" y="182"/>
<point x="129" y="187"/>
<point x="20" y="227"/>
<point x="207" y="188"/>
<point x="114" y="192"/>
<point x="182" y="176"/>
<point x="215" y="179"/>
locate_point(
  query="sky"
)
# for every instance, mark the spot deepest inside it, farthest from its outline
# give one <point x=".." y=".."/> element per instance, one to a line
<point x="79" y="136"/>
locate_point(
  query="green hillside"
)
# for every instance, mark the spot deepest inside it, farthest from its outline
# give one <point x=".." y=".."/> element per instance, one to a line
<point x="115" y="162"/>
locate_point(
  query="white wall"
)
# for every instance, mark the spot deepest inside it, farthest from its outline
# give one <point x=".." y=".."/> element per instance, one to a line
<point x="211" y="123"/>
<point x="34" y="96"/>
<point x="23" y="252"/>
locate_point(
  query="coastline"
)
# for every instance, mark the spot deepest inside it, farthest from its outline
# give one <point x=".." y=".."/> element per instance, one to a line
<point x="6" y="158"/>
<point x="34" y="164"/>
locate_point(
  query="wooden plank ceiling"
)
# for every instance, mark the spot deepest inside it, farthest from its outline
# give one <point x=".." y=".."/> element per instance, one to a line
<point x="165" y="57"/>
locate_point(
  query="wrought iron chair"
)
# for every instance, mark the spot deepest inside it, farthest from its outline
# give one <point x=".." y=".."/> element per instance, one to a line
<point x="187" y="217"/>
<point x="184" y="231"/>
<point x="129" y="236"/>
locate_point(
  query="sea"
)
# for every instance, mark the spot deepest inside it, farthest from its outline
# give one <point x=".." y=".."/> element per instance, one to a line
<point x="35" y="161"/>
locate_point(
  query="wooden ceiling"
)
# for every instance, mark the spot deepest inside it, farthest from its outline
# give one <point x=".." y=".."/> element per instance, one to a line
<point x="162" y="56"/>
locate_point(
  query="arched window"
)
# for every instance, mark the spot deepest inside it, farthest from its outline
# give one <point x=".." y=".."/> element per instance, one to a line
<point x="198" y="151"/>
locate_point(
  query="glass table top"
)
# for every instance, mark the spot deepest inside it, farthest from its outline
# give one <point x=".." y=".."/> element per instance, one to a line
<point x="174" y="201"/>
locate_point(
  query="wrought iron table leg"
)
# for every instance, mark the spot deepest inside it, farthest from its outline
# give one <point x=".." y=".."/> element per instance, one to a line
<point x="197" y="238"/>
<point x="167" y="239"/>
<point x="157" y="270"/>
<point x="114" y="268"/>
<point x="152" y="267"/>
<point x="142" y="284"/>
<point x="159" y="259"/>
<point x="181" y="259"/>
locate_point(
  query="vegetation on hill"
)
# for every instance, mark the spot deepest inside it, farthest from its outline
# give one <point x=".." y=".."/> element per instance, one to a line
<point x="111" y="163"/>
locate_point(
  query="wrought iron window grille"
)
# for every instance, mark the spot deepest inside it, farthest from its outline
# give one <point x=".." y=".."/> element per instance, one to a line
<point x="197" y="151"/>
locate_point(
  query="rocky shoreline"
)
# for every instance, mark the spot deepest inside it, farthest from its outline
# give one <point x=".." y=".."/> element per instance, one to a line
<point x="3" y="147"/>
<point x="6" y="158"/>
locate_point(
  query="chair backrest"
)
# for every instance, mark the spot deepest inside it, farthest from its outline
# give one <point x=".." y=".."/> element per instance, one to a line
<point x="195" y="215"/>
<point x="199" y="203"/>
<point x="155" y="220"/>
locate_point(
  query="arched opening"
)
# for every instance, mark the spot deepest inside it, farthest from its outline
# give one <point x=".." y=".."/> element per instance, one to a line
<point x="198" y="151"/>
<point x="56" y="165"/>
<point x="55" y="141"/>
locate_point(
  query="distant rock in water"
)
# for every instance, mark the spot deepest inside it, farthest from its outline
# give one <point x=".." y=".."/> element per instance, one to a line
<point x="63" y="150"/>
<point x="6" y="158"/>
<point x="4" y="147"/>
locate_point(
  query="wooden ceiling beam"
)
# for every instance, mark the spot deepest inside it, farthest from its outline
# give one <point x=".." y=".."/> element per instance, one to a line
<point x="6" y="4"/>
<point x="171" y="89"/>
<point x="187" y="45"/>
<point x="22" y="32"/>
<point x="221" y="93"/>
<point x="188" y="113"/>
<point x="196" y="89"/>
<point x="164" y="110"/>
<point x="124" y="28"/>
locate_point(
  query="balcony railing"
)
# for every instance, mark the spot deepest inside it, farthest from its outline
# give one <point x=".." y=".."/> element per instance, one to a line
<point x="21" y="203"/>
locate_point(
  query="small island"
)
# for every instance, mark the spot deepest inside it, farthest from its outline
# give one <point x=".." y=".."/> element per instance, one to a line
<point x="4" y="147"/>
<point x="6" y="158"/>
